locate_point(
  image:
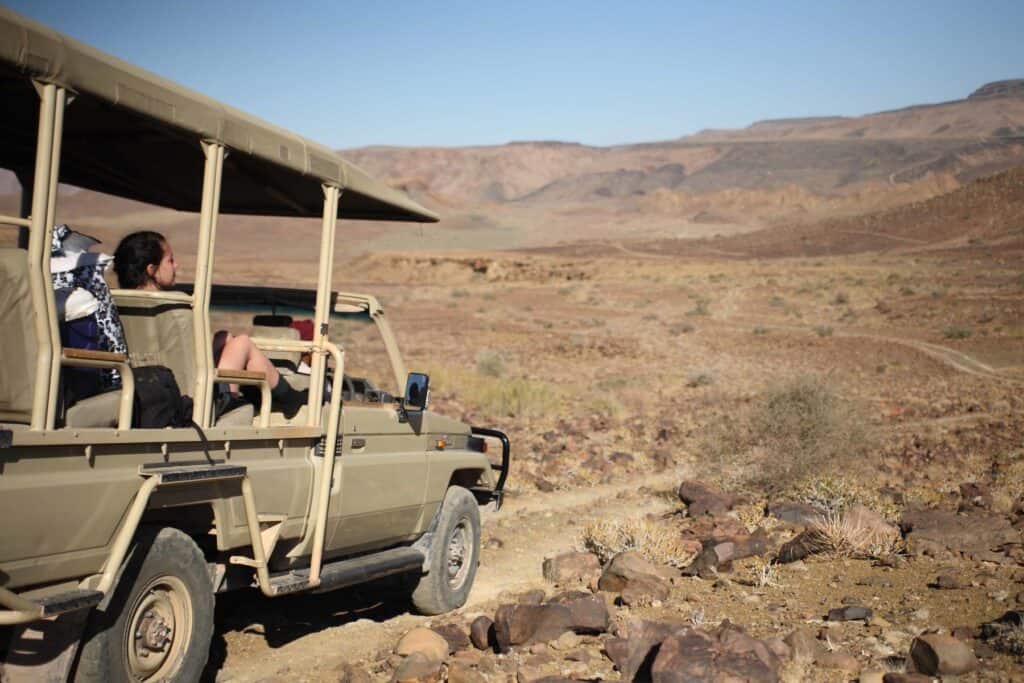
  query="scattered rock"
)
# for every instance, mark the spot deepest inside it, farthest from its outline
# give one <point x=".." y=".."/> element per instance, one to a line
<point x="949" y="582"/>
<point x="624" y="568"/>
<point x="418" y="668"/>
<point x="588" y="612"/>
<point x="347" y="673"/>
<point x="906" y="678"/>
<point x="572" y="568"/>
<point x="803" y="545"/>
<point x="938" y="654"/>
<point x="800" y="514"/>
<point x="688" y="654"/>
<point x="972" y="533"/>
<point x="459" y="672"/>
<point x="702" y="499"/>
<point x="706" y="565"/>
<point x="454" y="634"/>
<point x="849" y="613"/>
<point x="804" y="645"/>
<point x="425" y="642"/>
<point x="481" y="633"/>
<point x="632" y="649"/>
<point x="532" y="597"/>
<point x="974" y="496"/>
<point x="644" y="590"/>
<point x="838" y="660"/>
<point x="528" y="624"/>
<point x="871" y="526"/>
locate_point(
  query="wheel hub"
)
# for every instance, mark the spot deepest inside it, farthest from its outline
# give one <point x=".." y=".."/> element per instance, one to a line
<point x="154" y="633"/>
<point x="458" y="547"/>
<point x="159" y="630"/>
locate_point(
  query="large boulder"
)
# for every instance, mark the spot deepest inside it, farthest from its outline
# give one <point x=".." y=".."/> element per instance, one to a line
<point x="527" y="624"/>
<point x="423" y="641"/>
<point x="702" y="499"/>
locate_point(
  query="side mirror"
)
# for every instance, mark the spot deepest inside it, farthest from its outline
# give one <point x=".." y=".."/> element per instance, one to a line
<point x="417" y="391"/>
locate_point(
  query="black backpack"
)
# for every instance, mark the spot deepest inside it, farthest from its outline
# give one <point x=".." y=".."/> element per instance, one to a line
<point x="158" y="401"/>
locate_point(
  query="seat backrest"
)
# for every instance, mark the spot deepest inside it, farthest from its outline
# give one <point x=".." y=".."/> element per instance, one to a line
<point x="17" y="338"/>
<point x="158" y="330"/>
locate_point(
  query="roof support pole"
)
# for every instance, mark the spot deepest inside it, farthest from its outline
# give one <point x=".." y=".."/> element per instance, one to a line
<point x="202" y="390"/>
<point x="322" y="317"/>
<point x="25" y="180"/>
<point x="51" y="219"/>
<point x="40" y="233"/>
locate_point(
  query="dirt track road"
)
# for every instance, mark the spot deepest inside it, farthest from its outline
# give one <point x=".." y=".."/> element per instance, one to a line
<point x="307" y="637"/>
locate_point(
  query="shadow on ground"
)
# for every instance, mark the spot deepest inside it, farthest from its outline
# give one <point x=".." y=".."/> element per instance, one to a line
<point x="285" y="619"/>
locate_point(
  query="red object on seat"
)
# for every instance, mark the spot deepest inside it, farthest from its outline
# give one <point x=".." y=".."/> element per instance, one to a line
<point x="305" y="328"/>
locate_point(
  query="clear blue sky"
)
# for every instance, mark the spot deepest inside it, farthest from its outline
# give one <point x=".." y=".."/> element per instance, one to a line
<point x="463" y="73"/>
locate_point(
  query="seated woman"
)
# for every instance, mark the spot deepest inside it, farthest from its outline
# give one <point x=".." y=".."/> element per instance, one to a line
<point x="145" y="260"/>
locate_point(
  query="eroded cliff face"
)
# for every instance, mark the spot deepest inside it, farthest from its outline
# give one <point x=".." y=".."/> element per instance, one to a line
<point x="1009" y="88"/>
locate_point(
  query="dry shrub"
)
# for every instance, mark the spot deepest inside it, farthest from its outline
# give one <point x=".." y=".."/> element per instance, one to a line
<point x="836" y="494"/>
<point x="656" y="541"/>
<point x="794" y="430"/>
<point x="509" y="396"/>
<point x="1007" y="638"/>
<point x="847" y="535"/>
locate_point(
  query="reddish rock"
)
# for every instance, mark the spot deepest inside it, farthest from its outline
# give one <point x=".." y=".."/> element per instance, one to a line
<point x="423" y="641"/>
<point x="689" y="655"/>
<point x="632" y="649"/>
<point x="941" y="655"/>
<point x="800" y="514"/>
<point x="572" y="568"/>
<point x="971" y="533"/>
<point x="528" y="624"/>
<point x="454" y="634"/>
<point x="838" y="660"/>
<point x="624" y="568"/>
<point x="643" y="590"/>
<point x="702" y="499"/>
<point x="589" y="614"/>
<point x="803" y="545"/>
<point x="804" y="645"/>
<point x="418" y="668"/>
<point x="481" y="633"/>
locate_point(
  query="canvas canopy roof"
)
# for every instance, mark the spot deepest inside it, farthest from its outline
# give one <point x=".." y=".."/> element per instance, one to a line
<point x="133" y="134"/>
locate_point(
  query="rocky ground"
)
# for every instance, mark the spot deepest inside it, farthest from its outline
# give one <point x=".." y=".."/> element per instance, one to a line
<point x="790" y="469"/>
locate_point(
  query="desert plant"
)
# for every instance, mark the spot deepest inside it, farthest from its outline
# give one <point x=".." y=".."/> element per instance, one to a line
<point x="847" y="535"/>
<point x="823" y="330"/>
<point x="490" y="363"/>
<point x="956" y="332"/>
<point x="684" y="327"/>
<point x="841" y="299"/>
<point x="658" y="541"/>
<point x="459" y="293"/>
<point x="760" y="329"/>
<point x="700" y="378"/>
<point x="795" y="429"/>
<point x="701" y="307"/>
<point x="605" y="406"/>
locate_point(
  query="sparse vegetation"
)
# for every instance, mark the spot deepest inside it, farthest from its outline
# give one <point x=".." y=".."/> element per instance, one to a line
<point x="459" y="293"/>
<point x="791" y="432"/>
<point x="700" y="378"/>
<point x="701" y="307"/>
<point x="840" y="299"/>
<point x="490" y="363"/>
<point x="823" y="330"/>
<point x="760" y="329"/>
<point x="657" y="541"/>
<point x="684" y="327"/>
<point x="956" y="332"/>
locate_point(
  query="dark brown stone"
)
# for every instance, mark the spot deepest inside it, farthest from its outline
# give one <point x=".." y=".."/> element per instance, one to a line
<point x="803" y="545"/>
<point x="589" y="613"/>
<point x="941" y="655"/>
<point x="849" y="613"/>
<point x="702" y="499"/>
<point x="689" y="655"/>
<point x="971" y="533"/>
<point x="643" y="590"/>
<point x="521" y="624"/>
<point x="454" y="634"/>
<point x="481" y="633"/>
<point x="634" y="650"/>
<point x="622" y="569"/>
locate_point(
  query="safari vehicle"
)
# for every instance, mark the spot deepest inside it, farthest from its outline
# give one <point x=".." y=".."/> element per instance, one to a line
<point x="113" y="539"/>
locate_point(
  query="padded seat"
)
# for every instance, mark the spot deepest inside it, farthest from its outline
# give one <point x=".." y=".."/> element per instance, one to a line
<point x="96" y="411"/>
<point x="158" y="331"/>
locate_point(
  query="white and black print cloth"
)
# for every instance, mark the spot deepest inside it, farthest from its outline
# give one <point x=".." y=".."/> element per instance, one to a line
<point x="73" y="266"/>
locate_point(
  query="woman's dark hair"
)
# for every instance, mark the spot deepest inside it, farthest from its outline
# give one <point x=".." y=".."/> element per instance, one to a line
<point x="133" y="254"/>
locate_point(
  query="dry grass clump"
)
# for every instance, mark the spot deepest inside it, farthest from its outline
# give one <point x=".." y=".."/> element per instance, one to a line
<point x="794" y="430"/>
<point x="507" y="396"/>
<point x="851" y="536"/>
<point x="835" y="495"/>
<point x="658" y="542"/>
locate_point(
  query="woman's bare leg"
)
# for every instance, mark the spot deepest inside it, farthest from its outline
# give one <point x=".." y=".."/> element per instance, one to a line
<point x="241" y="354"/>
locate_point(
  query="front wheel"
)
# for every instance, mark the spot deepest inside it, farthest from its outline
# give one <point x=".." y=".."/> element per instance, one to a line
<point x="454" y="555"/>
<point x="158" y="624"/>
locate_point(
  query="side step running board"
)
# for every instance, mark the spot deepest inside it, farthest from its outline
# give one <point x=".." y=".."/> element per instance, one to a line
<point x="349" y="572"/>
<point x="71" y="601"/>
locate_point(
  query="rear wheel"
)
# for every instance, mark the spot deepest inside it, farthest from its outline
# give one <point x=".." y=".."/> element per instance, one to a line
<point x="454" y="555"/>
<point x="159" y="621"/>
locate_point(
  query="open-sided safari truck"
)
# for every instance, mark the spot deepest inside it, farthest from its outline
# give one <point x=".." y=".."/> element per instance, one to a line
<point x="114" y="539"/>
